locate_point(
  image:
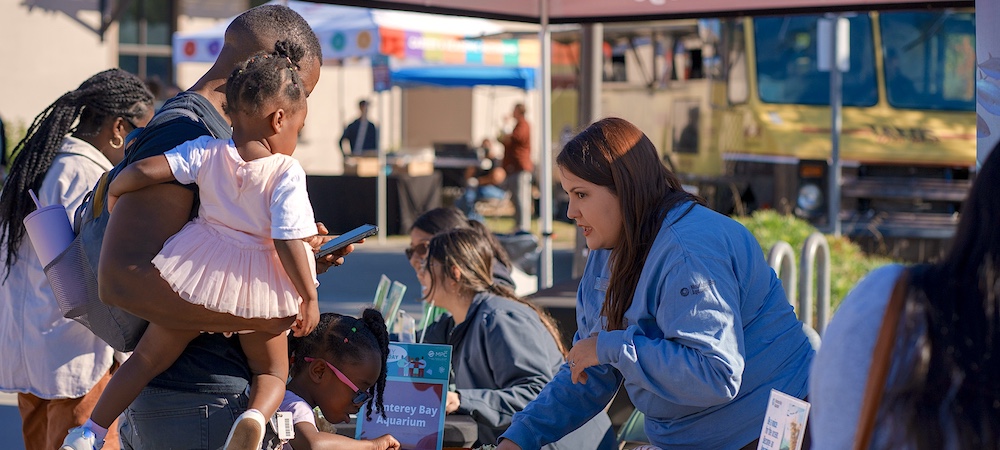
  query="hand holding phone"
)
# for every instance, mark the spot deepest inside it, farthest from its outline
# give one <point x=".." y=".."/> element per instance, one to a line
<point x="346" y="239"/>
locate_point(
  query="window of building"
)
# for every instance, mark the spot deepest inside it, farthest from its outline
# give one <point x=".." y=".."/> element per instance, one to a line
<point x="144" y="36"/>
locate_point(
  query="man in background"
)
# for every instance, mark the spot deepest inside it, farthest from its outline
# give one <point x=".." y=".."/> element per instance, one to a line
<point x="518" y="165"/>
<point x="362" y="134"/>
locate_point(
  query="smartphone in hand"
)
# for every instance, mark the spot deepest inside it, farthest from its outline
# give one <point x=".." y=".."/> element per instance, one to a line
<point x="346" y="239"/>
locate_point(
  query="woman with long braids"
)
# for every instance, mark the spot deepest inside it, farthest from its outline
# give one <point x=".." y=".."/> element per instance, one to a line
<point x="677" y="304"/>
<point x="57" y="366"/>
<point x="505" y="349"/>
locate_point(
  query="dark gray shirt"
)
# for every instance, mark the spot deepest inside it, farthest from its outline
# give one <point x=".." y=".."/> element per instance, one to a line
<point x="503" y="356"/>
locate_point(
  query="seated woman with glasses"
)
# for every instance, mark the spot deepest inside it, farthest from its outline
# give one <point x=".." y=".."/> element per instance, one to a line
<point x="338" y="367"/>
<point x="443" y="219"/>
<point x="505" y="349"/>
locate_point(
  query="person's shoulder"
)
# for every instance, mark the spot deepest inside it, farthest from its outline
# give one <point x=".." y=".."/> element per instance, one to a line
<point x="176" y="123"/>
<point x="860" y="313"/>
<point x="871" y="294"/>
<point x="496" y="307"/>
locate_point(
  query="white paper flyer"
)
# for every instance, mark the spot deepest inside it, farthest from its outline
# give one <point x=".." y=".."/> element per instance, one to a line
<point x="784" y="422"/>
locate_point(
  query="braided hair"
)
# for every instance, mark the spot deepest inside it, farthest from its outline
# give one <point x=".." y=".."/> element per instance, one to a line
<point x="265" y="76"/>
<point x="346" y="340"/>
<point x="108" y="94"/>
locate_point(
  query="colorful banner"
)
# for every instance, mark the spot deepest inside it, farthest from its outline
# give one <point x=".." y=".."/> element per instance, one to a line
<point x="415" y="394"/>
<point x="421" y="48"/>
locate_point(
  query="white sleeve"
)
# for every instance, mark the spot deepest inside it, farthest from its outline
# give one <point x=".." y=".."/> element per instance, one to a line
<point x="301" y="411"/>
<point x="186" y="159"/>
<point x="291" y="212"/>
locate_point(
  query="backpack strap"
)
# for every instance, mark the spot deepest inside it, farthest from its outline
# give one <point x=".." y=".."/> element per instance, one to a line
<point x="881" y="361"/>
<point x="100" y="194"/>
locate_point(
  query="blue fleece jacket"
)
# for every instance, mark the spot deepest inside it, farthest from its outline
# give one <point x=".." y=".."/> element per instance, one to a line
<point x="709" y="334"/>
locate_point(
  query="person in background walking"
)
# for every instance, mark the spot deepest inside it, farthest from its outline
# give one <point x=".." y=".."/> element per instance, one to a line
<point x="519" y="166"/>
<point x="57" y="366"/>
<point x="361" y="134"/>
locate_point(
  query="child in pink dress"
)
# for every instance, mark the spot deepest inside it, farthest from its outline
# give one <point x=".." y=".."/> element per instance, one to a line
<point x="244" y="253"/>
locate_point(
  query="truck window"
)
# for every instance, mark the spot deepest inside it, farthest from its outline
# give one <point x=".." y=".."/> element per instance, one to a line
<point x="930" y="59"/>
<point x="787" y="69"/>
<point x="736" y="62"/>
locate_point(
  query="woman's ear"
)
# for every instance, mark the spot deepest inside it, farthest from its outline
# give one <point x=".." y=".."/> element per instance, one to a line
<point x="456" y="273"/>
<point x="120" y="127"/>
<point x="278" y="120"/>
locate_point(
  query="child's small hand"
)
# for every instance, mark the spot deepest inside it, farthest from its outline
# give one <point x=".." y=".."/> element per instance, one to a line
<point x="386" y="442"/>
<point x="307" y="319"/>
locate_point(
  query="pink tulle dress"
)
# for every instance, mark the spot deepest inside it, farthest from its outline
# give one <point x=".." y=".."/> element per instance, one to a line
<point x="225" y="259"/>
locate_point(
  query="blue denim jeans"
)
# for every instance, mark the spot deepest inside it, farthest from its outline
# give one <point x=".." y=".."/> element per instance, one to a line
<point x="167" y="419"/>
<point x="470" y="195"/>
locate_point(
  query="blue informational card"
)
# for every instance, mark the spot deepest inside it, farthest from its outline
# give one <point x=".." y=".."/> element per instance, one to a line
<point x="416" y="389"/>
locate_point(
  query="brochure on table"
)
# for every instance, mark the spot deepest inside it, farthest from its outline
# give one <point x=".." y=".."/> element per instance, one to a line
<point x="416" y="389"/>
<point x="784" y="422"/>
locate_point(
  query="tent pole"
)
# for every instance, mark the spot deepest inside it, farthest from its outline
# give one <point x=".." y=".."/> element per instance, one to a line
<point x="545" y="184"/>
<point x="380" y="190"/>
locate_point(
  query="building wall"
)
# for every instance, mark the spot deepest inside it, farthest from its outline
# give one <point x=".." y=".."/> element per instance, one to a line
<point x="52" y="46"/>
<point x="49" y="49"/>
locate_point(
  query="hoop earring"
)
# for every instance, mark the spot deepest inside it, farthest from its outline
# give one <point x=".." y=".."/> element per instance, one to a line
<point x="121" y="142"/>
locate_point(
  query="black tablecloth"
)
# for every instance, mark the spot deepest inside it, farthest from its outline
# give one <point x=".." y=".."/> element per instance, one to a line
<point x="344" y="202"/>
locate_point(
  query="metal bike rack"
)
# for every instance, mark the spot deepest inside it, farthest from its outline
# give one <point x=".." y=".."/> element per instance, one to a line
<point x="781" y="258"/>
<point x="815" y="257"/>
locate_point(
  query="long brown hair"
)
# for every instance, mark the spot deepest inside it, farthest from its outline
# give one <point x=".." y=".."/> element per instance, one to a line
<point x="615" y="154"/>
<point x="470" y="251"/>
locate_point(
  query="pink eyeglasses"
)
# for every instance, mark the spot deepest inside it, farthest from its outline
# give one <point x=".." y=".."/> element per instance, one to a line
<point x="360" y="397"/>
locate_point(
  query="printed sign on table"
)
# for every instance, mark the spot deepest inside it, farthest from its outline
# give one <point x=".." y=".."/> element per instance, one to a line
<point x="784" y="422"/>
<point x="415" y="393"/>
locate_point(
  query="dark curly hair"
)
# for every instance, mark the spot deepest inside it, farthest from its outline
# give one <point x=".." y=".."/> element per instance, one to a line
<point x="109" y="94"/>
<point x="364" y="337"/>
<point x="264" y="76"/>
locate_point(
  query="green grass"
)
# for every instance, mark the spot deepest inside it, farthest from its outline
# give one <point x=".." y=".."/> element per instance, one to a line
<point x="562" y="233"/>
<point x="848" y="262"/>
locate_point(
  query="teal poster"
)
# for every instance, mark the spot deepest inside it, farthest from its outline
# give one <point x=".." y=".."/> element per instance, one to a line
<point x="415" y="393"/>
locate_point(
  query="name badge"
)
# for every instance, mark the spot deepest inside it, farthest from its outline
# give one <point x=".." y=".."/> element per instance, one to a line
<point x="283" y="426"/>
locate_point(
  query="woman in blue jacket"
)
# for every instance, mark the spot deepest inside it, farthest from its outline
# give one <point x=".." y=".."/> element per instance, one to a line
<point x="676" y="302"/>
<point x="504" y="349"/>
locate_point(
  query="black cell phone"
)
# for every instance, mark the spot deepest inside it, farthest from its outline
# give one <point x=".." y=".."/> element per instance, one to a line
<point x="346" y="239"/>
